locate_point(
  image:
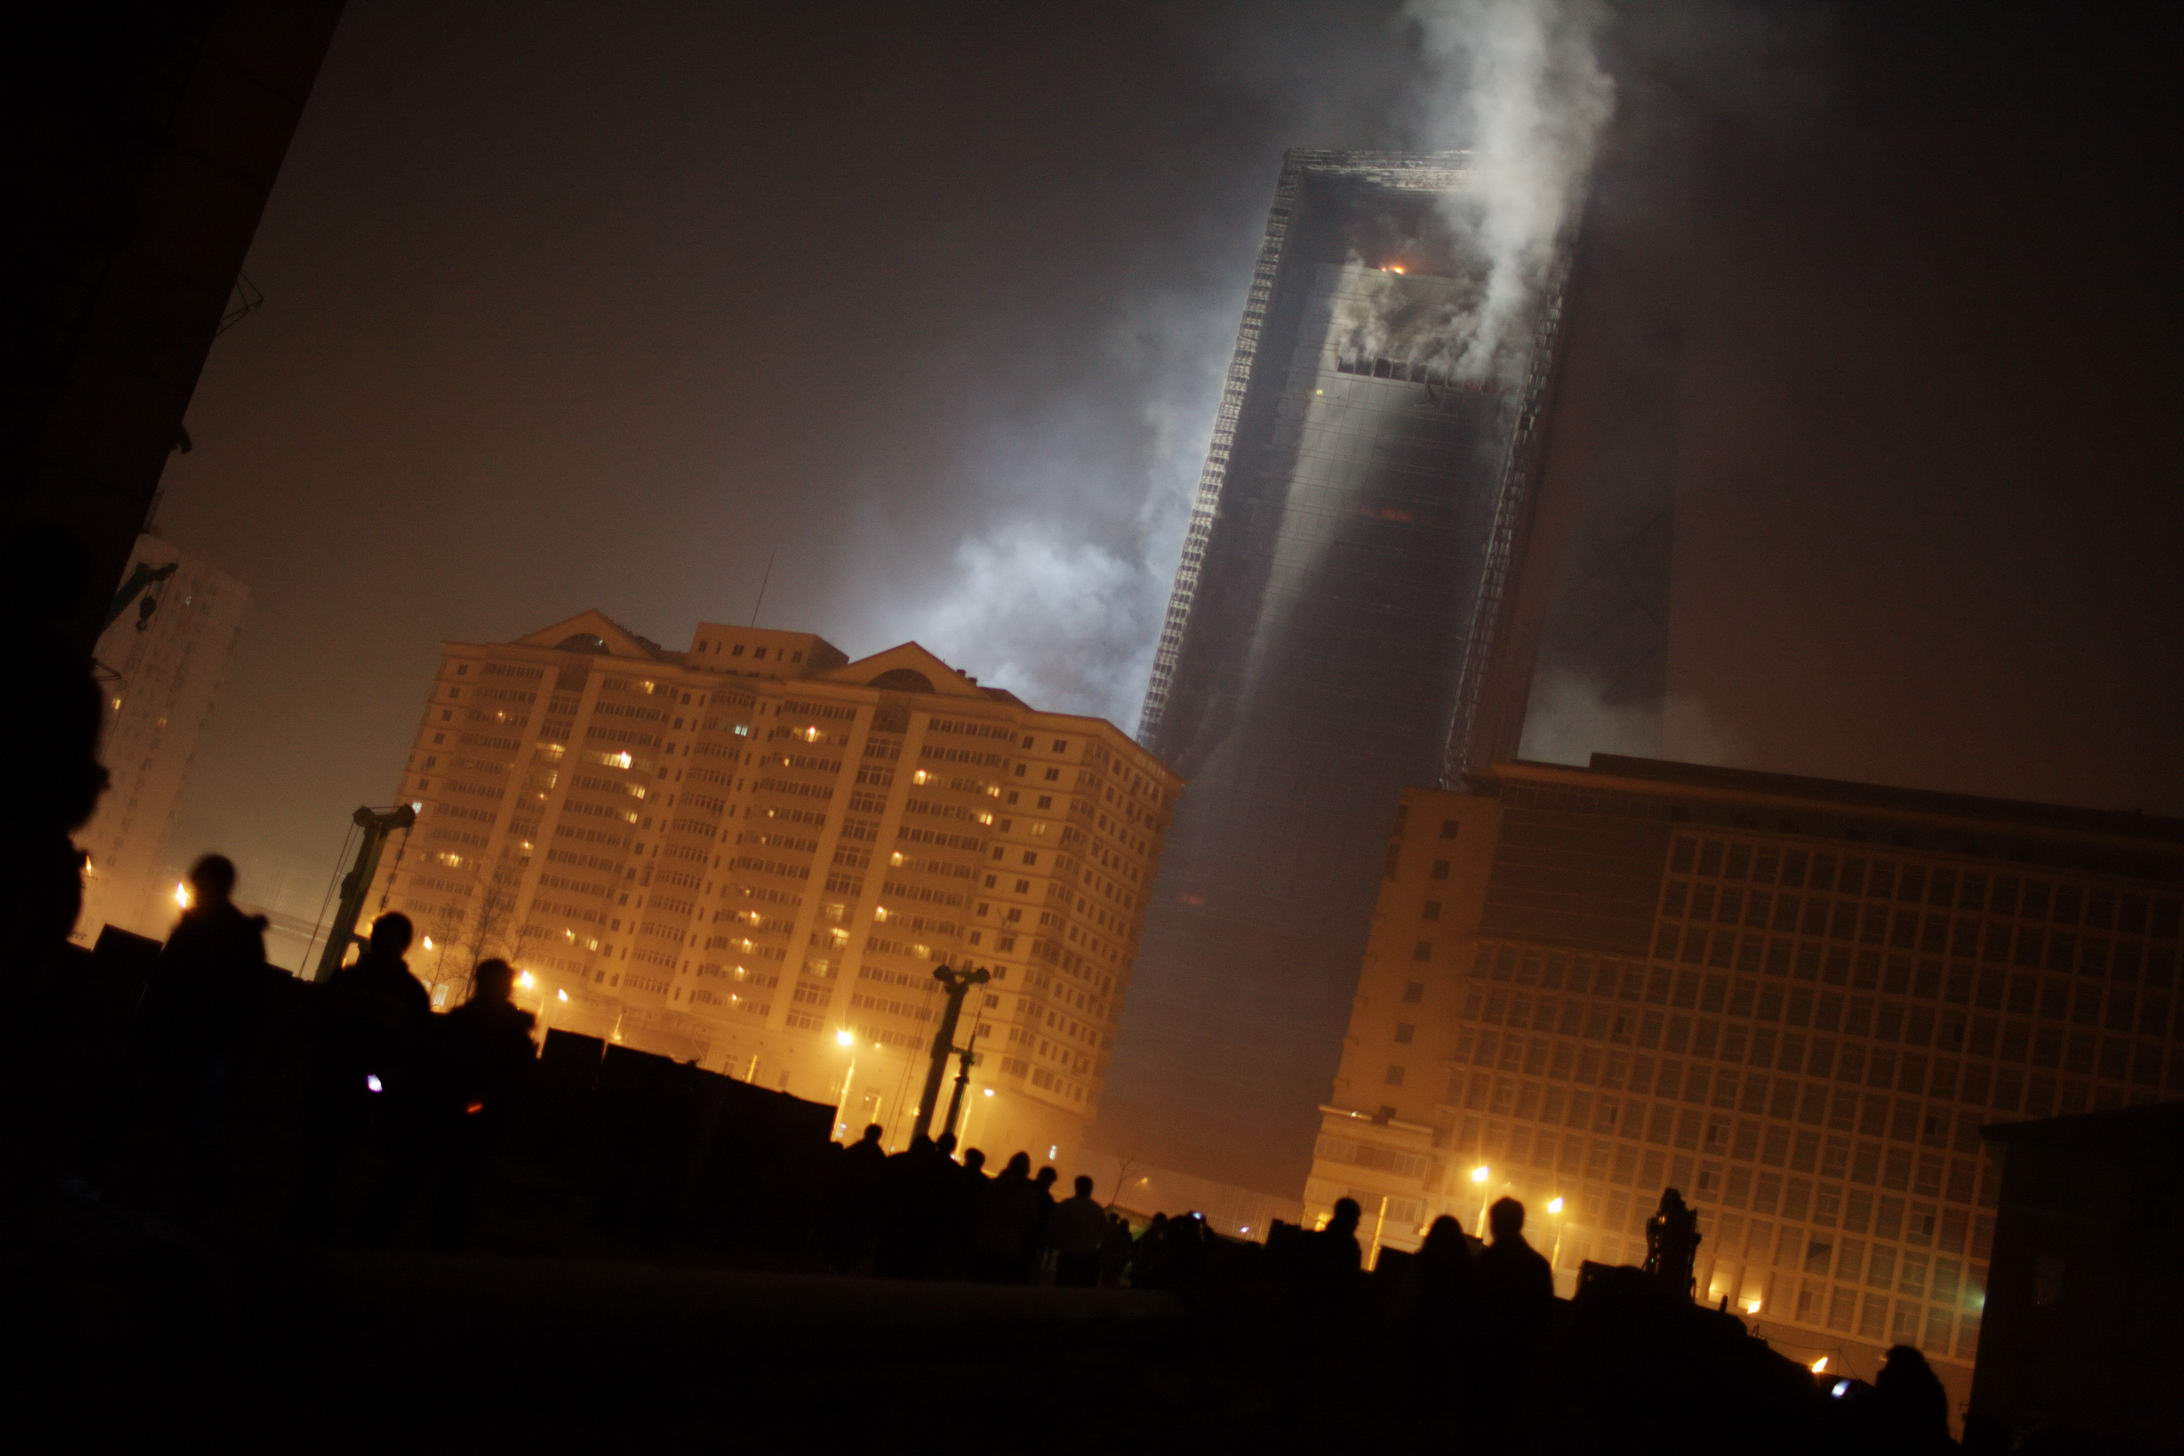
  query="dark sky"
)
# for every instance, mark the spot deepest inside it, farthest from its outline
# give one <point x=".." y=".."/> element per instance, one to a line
<point x="572" y="305"/>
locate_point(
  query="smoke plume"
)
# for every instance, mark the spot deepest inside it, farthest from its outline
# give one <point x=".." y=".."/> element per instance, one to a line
<point x="1519" y="83"/>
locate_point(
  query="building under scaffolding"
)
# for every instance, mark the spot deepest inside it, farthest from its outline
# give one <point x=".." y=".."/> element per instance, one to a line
<point x="1334" y="635"/>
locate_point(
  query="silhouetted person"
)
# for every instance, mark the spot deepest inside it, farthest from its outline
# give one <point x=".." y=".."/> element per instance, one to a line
<point x="1672" y="1244"/>
<point x="371" y="1034"/>
<point x="207" y="974"/>
<point x="1326" y="1270"/>
<point x="1149" y="1255"/>
<point x="855" y="1198"/>
<point x="1042" y="1209"/>
<point x="1909" y="1411"/>
<point x="1002" y="1218"/>
<point x="198" y="1007"/>
<point x="1514" y="1281"/>
<point x="910" y="1192"/>
<point x="479" y="1056"/>
<point x="1516" y="1291"/>
<point x="1077" y="1231"/>
<point x="1115" y="1252"/>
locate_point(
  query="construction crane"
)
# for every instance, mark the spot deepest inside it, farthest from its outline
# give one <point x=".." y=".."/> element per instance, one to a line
<point x="377" y="825"/>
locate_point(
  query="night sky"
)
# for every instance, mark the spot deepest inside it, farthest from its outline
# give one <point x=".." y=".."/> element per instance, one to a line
<point x="571" y="305"/>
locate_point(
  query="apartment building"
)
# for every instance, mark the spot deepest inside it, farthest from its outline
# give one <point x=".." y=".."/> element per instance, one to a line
<point x="756" y="852"/>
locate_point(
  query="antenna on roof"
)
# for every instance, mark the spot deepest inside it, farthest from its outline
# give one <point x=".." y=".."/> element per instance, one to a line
<point x="762" y="581"/>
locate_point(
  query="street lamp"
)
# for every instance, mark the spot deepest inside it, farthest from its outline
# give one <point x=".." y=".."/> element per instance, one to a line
<point x="846" y="1039"/>
<point x="1554" y="1207"/>
<point x="984" y="1093"/>
<point x="1479" y="1175"/>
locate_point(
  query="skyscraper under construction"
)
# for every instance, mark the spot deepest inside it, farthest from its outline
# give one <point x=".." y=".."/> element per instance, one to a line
<point x="1330" y="639"/>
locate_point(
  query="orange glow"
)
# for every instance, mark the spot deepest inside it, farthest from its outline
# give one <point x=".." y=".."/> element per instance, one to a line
<point x="1393" y="268"/>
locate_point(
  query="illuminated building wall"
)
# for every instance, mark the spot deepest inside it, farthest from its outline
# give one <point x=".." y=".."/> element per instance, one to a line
<point x="1796" y="1000"/>
<point x="740" y="851"/>
<point x="1308" y="666"/>
<point x="159" y="673"/>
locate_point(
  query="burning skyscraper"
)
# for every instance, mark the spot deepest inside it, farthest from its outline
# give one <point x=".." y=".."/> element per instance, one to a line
<point x="1331" y="637"/>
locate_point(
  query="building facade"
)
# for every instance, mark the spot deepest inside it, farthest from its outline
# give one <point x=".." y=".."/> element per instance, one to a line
<point x="1309" y="665"/>
<point x="1796" y="1000"/>
<point x="756" y="853"/>
<point x="159" y="667"/>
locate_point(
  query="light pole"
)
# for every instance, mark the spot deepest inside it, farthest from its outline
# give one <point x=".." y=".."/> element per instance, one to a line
<point x="1554" y="1210"/>
<point x="848" y="1039"/>
<point x="1479" y="1175"/>
<point x="955" y="983"/>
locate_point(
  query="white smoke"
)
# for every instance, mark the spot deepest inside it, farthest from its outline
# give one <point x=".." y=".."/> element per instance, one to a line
<point x="1519" y="83"/>
<point x="1059" y="598"/>
<point x="1568" y="718"/>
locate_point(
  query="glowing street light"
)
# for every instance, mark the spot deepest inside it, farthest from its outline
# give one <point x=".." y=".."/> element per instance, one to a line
<point x="182" y="896"/>
<point x="1481" y="1173"/>
<point x="847" y="1040"/>
<point x="1554" y="1207"/>
<point x="526" y="980"/>
<point x="1820" y="1366"/>
<point x="561" y="996"/>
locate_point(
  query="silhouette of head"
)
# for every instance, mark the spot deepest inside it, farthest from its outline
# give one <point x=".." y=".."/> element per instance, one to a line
<point x="1018" y="1166"/>
<point x="492" y="980"/>
<point x="1083" y="1185"/>
<point x="873" y="1133"/>
<point x="1446" y="1234"/>
<point x="1047" y="1177"/>
<point x="1505" y="1219"/>
<point x="1903" y="1365"/>
<point x="946" y="1142"/>
<point x="920" y="1143"/>
<point x="1345" y="1217"/>
<point x="391" y="935"/>
<point x="213" y="878"/>
<point x="1671" y="1200"/>
<point x="974" y="1159"/>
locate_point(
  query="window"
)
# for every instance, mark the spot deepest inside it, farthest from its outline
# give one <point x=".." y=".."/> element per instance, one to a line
<point x="1053" y="774"/>
<point x="1423" y="951"/>
<point x="1440" y="869"/>
<point x="1395" y="1076"/>
<point x="1432" y="911"/>
<point x="1414" y="993"/>
<point x="1448" y="829"/>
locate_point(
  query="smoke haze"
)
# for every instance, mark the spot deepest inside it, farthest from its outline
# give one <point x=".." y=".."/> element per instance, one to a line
<point x="575" y="306"/>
